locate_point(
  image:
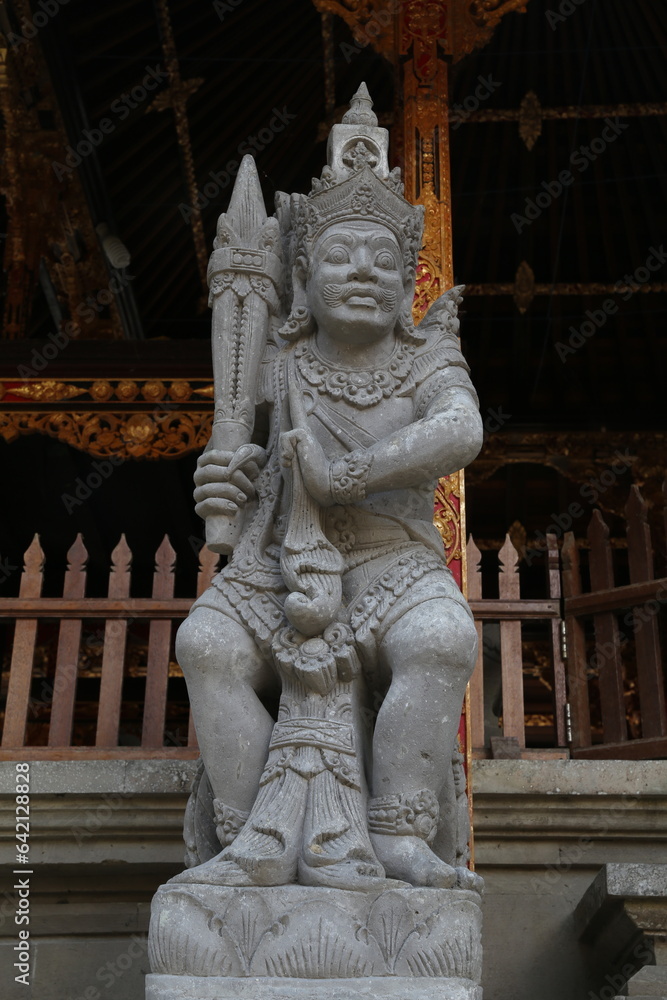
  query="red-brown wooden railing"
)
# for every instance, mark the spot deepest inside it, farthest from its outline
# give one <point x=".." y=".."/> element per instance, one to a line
<point x="590" y="628"/>
<point x="599" y="663"/>
<point x="118" y="609"/>
<point x="514" y="612"/>
<point x="163" y="611"/>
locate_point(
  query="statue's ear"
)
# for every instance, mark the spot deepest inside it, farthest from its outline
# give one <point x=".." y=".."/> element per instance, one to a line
<point x="408" y="287"/>
<point x="299" y="277"/>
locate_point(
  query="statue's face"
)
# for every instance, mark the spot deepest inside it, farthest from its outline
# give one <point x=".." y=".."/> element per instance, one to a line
<point x="357" y="283"/>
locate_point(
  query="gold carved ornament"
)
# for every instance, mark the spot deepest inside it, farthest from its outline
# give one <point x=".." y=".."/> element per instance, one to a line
<point x="139" y="419"/>
<point x="447" y="515"/>
<point x="136" y="435"/>
<point x="469" y="24"/>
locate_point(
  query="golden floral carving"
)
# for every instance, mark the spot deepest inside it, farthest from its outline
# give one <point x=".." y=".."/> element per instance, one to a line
<point x="447" y="515"/>
<point x="134" y="435"/>
<point x="428" y="286"/>
<point x="127" y="390"/>
<point x="48" y="391"/>
<point x="489" y="12"/>
<point x="180" y="391"/>
<point x="458" y="26"/>
<point x="524" y="286"/>
<point x="530" y="119"/>
<point x="101" y="390"/>
<point x="153" y="391"/>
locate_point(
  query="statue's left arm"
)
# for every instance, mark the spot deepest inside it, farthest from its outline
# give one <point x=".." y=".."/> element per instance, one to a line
<point x="447" y="438"/>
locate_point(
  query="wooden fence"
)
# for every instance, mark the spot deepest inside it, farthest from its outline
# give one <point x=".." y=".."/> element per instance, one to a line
<point x="622" y="657"/>
<point x="118" y="610"/>
<point x="512" y="612"/>
<point x="591" y="671"/>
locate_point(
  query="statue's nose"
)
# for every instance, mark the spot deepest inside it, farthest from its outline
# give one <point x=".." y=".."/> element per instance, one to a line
<point x="361" y="269"/>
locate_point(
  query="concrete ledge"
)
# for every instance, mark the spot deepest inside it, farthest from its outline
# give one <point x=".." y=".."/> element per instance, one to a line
<point x="264" y="988"/>
<point x="570" y="777"/>
<point x="569" y="813"/>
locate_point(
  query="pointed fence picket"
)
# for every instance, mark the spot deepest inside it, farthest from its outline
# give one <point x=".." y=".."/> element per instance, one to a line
<point x="571" y="647"/>
<point x="23" y="652"/>
<point x="113" y="656"/>
<point x="67" y="658"/>
<point x="511" y="610"/>
<point x="119" y="610"/>
<point x="159" y="642"/>
<point x="601" y="662"/>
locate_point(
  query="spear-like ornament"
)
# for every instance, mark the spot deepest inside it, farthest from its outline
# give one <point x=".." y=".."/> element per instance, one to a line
<point x="244" y="277"/>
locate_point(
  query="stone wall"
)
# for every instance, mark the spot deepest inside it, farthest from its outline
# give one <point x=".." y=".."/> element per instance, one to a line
<point x="105" y="834"/>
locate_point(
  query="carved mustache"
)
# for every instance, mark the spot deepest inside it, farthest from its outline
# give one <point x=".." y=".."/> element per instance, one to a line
<point x="335" y="295"/>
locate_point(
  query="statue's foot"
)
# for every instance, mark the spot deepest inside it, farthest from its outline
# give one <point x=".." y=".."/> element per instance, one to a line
<point x="226" y="870"/>
<point x="354" y="875"/>
<point x="465" y="879"/>
<point x="215" y="873"/>
<point x="412" y="860"/>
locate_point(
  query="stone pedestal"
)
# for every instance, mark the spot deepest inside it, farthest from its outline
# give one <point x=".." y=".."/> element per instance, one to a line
<point x="291" y="942"/>
<point x="623" y="915"/>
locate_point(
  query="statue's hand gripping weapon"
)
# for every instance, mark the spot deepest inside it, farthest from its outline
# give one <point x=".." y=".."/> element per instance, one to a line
<point x="245" y="280"/>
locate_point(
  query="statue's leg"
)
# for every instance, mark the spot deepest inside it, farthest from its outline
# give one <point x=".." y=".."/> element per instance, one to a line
<point x="224" y="670"/>
<point x="430" y="652"/>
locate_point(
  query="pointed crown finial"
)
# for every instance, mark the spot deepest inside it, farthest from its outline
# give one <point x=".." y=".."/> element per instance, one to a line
<point x="360" y="111"/>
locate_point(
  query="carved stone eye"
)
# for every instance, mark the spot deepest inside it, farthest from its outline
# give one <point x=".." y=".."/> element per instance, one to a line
<point x="385" y="260"/>
<point x="338" y="255"/>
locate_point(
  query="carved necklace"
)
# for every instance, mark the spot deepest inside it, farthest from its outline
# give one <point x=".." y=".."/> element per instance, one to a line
<point x="358" y="386"/>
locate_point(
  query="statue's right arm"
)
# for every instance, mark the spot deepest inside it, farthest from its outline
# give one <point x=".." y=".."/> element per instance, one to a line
<point x="224" y="480"/>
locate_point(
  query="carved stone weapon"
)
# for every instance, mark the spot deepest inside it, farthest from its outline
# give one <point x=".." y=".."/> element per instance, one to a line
<point x="245" y="280"/>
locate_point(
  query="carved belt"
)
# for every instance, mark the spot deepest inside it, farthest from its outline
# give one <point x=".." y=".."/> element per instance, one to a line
<point x="323" y="734"/>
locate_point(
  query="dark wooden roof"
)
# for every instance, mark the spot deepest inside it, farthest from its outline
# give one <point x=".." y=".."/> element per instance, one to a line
<point x="253" y="56"/>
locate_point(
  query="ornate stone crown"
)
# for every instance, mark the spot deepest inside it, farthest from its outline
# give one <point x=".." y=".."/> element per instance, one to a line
<point x="355" y="185"/>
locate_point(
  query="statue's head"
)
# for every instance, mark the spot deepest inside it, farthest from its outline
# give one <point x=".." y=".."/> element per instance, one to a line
<point x="356" y="285"/>
<point x="354" y="240"/>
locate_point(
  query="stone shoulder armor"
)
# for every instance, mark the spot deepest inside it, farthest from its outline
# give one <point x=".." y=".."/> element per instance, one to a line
<point x="438" y="365"/>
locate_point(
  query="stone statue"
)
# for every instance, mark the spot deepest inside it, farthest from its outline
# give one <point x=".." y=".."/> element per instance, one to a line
<point x="334" y="418"/>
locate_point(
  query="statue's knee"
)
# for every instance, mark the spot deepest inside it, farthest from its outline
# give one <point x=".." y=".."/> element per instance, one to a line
<point x="462" y="642"/>
<point x="204" y="642"/>
<point x="438" y="634"/>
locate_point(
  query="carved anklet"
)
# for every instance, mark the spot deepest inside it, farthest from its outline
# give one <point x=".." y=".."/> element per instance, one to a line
<point x="228" y="821"/>
<point x="405" y="815"/>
